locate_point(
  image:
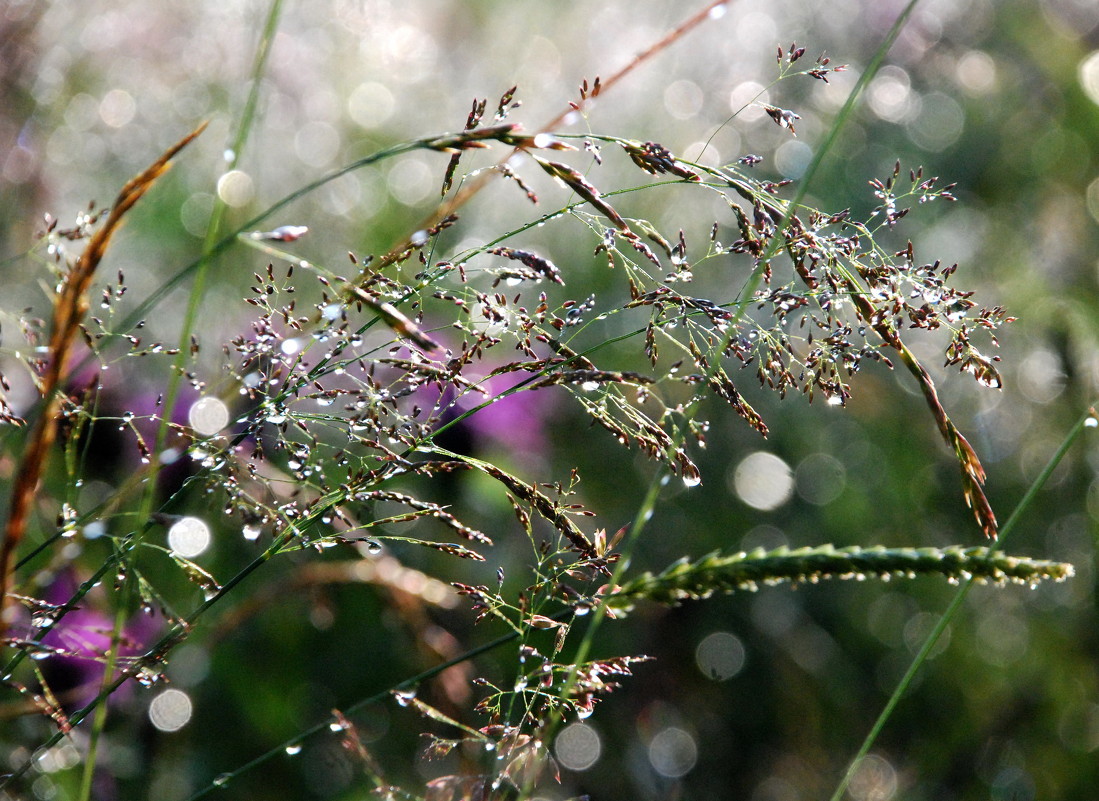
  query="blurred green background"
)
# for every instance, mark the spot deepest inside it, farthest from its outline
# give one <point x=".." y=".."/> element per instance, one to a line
<point x="764" y="696"/>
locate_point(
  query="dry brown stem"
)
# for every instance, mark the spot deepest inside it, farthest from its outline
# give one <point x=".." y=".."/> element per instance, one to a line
<point x="466" y="193"/>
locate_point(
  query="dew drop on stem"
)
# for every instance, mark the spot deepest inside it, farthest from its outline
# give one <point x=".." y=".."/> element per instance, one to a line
<point x="148" y="676"/>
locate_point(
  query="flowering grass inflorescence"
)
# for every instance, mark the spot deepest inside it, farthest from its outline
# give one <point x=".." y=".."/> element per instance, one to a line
<point x="330" y="427"/>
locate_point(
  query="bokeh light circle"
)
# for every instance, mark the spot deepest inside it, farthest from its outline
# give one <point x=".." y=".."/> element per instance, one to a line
<point x="1088" y="75"/>
<point x="720" y="655"/>
<point x="578" y="746"/>
<point x="236" y="188"/>
<point x="673" y="752"/>
<point x="875" y="779"/>
<point x="938" y="124"/>
<point x="171" y="710"/>
<point x="820" y="479"/>
<point x="763" y="481"/>
<point x="189" y="537"/>
<point x="208" y="416"/>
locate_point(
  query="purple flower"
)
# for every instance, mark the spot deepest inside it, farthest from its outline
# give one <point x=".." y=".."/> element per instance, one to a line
<point x="80" y="641"/>
<point x="516" y="423"/>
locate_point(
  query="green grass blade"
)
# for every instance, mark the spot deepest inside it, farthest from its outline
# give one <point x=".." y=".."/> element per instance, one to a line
<point x="1088" y="420"/>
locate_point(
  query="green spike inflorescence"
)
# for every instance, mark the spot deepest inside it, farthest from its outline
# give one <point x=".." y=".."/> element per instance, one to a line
<point x="717" y="572"/>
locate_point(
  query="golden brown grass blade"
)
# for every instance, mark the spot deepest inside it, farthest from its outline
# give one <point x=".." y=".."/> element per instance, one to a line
<point x="973" y="473"/>
<point x="70" y="306"/>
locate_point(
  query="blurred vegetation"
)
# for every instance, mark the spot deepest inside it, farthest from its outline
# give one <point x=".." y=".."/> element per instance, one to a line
<point x="1002" y="98"/>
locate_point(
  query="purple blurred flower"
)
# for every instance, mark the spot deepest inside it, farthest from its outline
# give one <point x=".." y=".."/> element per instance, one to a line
<point x="517" y="423"/>
<point x="81" y="640"/>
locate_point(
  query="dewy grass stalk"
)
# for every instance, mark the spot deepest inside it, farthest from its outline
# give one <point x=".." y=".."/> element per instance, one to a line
<point x="348" y="391"/>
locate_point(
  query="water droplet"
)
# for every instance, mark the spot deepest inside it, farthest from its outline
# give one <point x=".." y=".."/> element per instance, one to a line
<point x="1091" y="422"/>
<point x="692" y="480"/>
<point x="419" y="238"/>
<point x="251" y="533"/>
<point x="222" y="780"/>
<point x="584" y="713"/>
<point x="373" y="546"/>
<point x="148" y="676"/>
<point x="520" y="684"/>
<point x="490" y="746"/>
<point x="405" y="697"/>
<point x="590" y="386"/>
<point x="581" y="609"/>
<point x="293" y="750"/>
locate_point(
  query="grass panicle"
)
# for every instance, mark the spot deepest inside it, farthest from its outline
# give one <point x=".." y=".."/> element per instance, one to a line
<point x="327" y="444"/>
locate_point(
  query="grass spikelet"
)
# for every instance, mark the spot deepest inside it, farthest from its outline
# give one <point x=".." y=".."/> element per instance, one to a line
<point x="725" y="573"/>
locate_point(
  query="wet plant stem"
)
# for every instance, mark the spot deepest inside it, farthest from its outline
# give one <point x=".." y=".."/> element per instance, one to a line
<point x="99" y="723"/>
<point x="126" y="593"/>
<point x="210" y="246"/>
